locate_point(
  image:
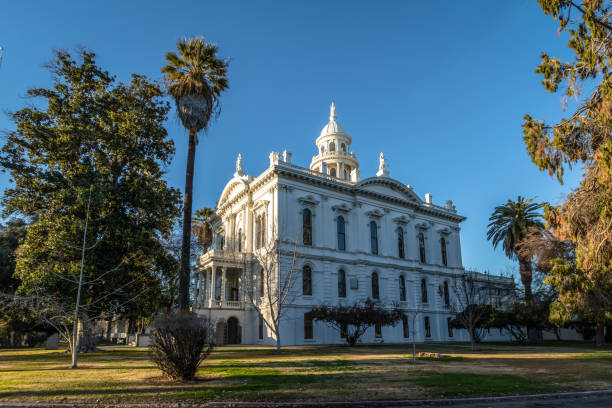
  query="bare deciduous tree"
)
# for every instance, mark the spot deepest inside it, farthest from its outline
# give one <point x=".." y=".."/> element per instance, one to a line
<point x="270" y="281"/>
<point x="471" y="303"/>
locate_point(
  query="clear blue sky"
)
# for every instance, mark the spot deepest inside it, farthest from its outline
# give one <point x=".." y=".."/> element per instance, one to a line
<point x="439" y="86"/>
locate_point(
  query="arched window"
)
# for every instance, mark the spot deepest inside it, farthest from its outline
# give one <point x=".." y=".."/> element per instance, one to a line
<point x="443" y="250"/>
<point x="332" y="172"/>
<point x="427" y="327"/>
<point x="422" y="247"/>
<point x="306" y="227"/>
<point x="446" y="295"/>
<point x="402" y="288"/>
<point x="346" y="175"/>
<point x="375" y="292"/>
<point x="423" y="290"/>
<point x="221" y="242"/>
<point x="400" y="242"/>
<point x="306" y="281"/>
<point x="332" y="147"/>
<point x="343" y="147"/>
<point x="374" y="237"/>
<point x="240" y="240"/>
<point x="405" y="327"/>
<point x="341" y="228"/>
<point x="341" y="283"/>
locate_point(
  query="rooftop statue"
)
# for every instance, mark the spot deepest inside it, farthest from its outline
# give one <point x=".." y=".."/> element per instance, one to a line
<point x="383" y="171"/>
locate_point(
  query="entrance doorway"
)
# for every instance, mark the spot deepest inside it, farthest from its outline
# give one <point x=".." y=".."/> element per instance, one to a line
<point x="233" y="331"/>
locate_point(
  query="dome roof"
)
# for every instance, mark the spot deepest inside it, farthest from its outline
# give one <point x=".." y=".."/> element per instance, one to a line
<point x="333" y="127"/>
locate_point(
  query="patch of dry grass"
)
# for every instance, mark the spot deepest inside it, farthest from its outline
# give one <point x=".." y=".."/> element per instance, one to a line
<point x="320" y="373"/>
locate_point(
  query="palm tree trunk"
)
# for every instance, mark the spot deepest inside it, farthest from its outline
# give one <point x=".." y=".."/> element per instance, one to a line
<point x="526" y="277"/>
<point x="185" y="275"/>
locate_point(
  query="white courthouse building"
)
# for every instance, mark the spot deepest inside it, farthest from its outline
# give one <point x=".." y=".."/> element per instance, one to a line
<point x="356" y="238"/>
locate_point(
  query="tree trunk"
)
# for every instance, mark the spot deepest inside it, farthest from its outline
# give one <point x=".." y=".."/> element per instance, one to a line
<point x="109" y="327"/>
<point x="278" y="344"/>
<point x="185" y="274"/>
<point x="88" y="341"/>
<point x="526" y="278"/>
<point x="600" y="338"/>
<point x="472" y="338"/>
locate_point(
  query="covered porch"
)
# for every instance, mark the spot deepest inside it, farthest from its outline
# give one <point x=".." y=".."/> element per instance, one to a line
<point x="219" y="280"/>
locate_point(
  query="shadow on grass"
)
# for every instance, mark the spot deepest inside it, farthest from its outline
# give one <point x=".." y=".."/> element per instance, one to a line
<point x="236" y="384"/>
<point x="472" y="385"/>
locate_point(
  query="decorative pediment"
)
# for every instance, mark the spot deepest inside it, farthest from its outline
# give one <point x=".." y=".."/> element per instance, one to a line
<point x="341" y="208"/>
<point x="261" y="204"/>
<point x="308" y="200"/>
<point x="423" y="225"/>
<point x="444" y="231"/>
<point x="402" y="219"/>
<point x="388" y="187"/>
<point x="232" y="188"/>
<point x="376" y="213"/>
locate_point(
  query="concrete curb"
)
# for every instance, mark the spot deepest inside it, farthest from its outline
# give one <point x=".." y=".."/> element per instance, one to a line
<point x="334" y="404"/>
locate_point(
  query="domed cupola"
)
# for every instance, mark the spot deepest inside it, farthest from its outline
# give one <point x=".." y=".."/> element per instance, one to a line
<point x="334" y="157"/>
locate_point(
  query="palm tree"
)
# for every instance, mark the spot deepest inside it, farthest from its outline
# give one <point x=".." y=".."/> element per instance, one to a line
<point x="195" y="79"/>
<point x="508" y="225"/>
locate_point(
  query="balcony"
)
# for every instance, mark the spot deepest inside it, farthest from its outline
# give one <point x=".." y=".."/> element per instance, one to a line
<point x="222" y="304"/>
<point x="223" y="257"/>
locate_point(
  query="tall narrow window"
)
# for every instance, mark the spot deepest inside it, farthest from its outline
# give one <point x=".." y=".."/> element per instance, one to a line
<point x="341" y="283"/>
<point x="218" y="281"/>
<point x="258" y="232"/>
<point x="264" y="228"/>
<point x="341" y="228"/>
<point x="446" y="295"/>
<point x="307" y="227"/>
<point x="343" y="147"/>
<point x="374" y="237"/>
<point x="332" y="172"/>
<point x="378" y="330"/>
<point x="261" y="328"/>
<point x="375" y="292"/>
<point x="306" y="281"/>
<point x="405" y="327"/>
<point x="423" y="290"/>
<point x="427" y="327"/>
<point x="422" y="247"/>
<point x="332" y="147"/>
<point x="400" y="242"/>
<point x="443" y="250"/>
<point x="239" y="240"/>
<point x="221" y="242"/>
<point x="402" y="288"/>
<point x="346" y="175"/>
<point x="307" y="326"/>
<point x="449" y="327"/>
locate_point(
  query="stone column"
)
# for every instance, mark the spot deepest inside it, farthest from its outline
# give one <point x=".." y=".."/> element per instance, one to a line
<point x="249" y="227"/>
<point x="213" y="283"/>
<point x="224" y="284"/>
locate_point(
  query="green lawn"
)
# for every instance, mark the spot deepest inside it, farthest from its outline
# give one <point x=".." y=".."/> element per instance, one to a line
<point x="309" y="373"/>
